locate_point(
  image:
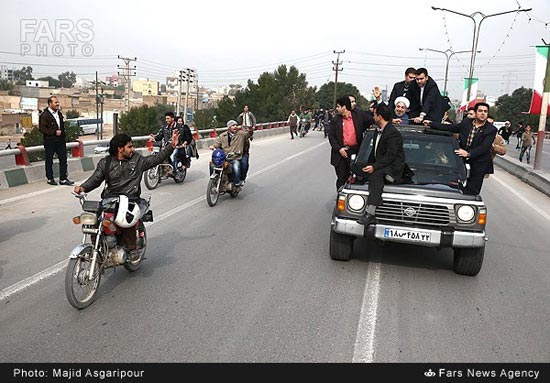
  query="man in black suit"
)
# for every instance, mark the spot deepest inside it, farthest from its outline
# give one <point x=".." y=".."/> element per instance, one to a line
<point x="345" y="136"/>
<point x="51" y="125"/>
<point x="476" y="138"/>
<point x="432" y="104"/>
<point x="386" y="161"/>
<point x="404" y="89"/>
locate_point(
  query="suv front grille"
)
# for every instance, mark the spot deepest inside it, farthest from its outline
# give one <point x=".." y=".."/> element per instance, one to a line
<point x="413" y="213"/>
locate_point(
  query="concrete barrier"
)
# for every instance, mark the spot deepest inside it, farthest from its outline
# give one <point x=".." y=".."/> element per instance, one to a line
<point x="534" y="178"/>
<point x="78" y="166"/>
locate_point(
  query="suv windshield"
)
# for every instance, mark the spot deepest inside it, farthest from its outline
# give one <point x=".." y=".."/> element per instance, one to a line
<point x="430" y="156"/>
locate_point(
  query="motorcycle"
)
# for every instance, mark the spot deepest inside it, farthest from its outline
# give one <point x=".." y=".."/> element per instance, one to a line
<point x="220" y="178"/>
<point x="102" y="244"/>
<point x="165" y="170"/>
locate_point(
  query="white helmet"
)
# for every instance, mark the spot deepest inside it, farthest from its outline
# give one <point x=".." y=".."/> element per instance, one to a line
<point x="128" y="212"/>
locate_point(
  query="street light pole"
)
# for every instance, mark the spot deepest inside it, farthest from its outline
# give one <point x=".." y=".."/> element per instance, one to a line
<point x="448" y="54"/>
<point x="475" y="37"/>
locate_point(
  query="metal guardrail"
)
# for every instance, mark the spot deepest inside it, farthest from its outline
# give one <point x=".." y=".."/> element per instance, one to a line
<point x="203" y="134"/>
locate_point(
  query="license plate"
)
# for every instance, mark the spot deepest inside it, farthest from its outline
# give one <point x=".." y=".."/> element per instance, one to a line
<point x="411" y="235"/>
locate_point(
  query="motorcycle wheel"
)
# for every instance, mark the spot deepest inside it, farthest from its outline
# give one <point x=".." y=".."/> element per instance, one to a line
<point x="213" y="191"/>
<point x="152" y="177"/>
<point x="180" y="175"/>
<point x="81" y="291"/>
<point x="135" y="263"/>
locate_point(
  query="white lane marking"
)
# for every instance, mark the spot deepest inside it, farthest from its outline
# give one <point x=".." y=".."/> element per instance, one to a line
<point x="33" y="194"/>
<point x="365" y="339"/>
<point x="27" y="282"/>
<point x="52" y="270"/>
<point x="523" y="199"/>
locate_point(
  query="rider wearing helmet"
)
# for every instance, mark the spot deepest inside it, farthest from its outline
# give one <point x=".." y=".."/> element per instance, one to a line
<point x="122" y="171"/>
<point x="232" y="142"/>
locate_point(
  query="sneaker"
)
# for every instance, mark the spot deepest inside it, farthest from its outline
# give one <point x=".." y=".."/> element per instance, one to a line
<point x="66" y="181"/>
<point x="133" y="255"/>
<point x="52" y="182"/>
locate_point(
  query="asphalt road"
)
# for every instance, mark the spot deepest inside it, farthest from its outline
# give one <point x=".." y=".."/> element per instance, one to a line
<point x="250" y="280"/>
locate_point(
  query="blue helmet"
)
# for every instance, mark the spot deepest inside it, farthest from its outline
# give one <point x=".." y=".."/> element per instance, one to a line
<point x="218" y="157"/>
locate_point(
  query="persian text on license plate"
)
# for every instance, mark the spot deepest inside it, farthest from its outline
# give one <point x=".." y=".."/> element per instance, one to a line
<point x="407" y="234"/>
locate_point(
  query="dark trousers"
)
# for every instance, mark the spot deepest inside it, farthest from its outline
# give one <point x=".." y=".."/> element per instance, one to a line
<point x="51" y="148"/>
<point x="473" y="186"/>
<point x="342" y="169"/>
<point x="293" y="131"/>
<point x="376" y="186"/>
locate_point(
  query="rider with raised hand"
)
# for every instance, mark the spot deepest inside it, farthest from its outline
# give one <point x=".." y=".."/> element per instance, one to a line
<point x="164" y="134"/>
<point x="122" y="171"/>
<point x="232" y="142"/>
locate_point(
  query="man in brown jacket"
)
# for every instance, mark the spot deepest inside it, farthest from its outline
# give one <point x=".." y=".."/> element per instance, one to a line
<point x="232" y="142"/>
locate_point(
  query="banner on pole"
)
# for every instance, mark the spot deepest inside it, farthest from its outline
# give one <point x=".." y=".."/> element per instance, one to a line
<point x="465" y="103"/>
<point x="538" y="87"/>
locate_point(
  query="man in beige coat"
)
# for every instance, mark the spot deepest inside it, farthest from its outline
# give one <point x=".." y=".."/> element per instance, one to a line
<point x="232" y="142"/>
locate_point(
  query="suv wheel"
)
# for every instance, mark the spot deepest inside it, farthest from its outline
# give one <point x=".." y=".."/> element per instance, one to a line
<point x="341" y="246"/>
<point x="468" y="261"/>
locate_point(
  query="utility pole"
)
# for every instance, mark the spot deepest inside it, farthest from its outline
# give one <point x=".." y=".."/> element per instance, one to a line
<point x="96" y="107"/>
<point x="127" y="74"/>
<point x="178" y="100"/>
<point x="336" y="69"/>
<point x="197" y="88"/>
<point x="448" y="54"/>
<point x="189" y="75"/>
<point x="475" y="37"/>
<point x="543" y="111"/>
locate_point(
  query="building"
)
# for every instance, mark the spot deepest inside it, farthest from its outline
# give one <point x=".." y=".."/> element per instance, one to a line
<point x="37" y="83"/>
<point x="6" y="73"/>
<point x="146" y="87"/>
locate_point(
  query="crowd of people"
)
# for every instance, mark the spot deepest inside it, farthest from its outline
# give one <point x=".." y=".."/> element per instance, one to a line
<point x="415" y="100"/>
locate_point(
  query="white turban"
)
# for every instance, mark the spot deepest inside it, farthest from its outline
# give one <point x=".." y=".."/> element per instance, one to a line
<point x="404" y="100"/>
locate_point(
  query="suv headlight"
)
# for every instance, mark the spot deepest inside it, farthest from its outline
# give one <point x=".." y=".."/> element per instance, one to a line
<point x="356" y="202"/>
<point x="466" y="213"/>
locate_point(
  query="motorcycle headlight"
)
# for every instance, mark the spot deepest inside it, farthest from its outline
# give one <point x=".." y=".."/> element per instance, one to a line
<point x="356" y="202"/>
<point x="88" y="219"/>
<point x="465" y="213"/>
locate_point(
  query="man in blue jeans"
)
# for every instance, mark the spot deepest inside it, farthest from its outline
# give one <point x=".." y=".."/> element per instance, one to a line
<point x="232" y="142"/>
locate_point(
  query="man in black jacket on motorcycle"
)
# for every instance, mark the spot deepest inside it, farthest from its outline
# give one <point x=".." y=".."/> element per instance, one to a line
<point x="164" y="134"/>
<point x="122" y="171"/>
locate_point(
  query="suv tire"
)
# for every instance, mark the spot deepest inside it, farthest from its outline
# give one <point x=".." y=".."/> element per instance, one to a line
<point x="341" y="246"/>
<point x="468" y="261"/>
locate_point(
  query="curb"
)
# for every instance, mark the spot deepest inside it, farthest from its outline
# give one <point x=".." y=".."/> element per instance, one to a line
<point x="35" y="172"/>
<point x="534" y="178"/>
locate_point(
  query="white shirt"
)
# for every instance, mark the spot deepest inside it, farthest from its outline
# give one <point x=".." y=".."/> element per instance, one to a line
<point x="380" y="131"/>
<point x="421" y="94"/>
<point x="55" y="115"/>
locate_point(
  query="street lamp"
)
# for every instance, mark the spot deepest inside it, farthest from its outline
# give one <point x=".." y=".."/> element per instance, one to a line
<point x="448" y="54"/>
<point x="475" y="37"/>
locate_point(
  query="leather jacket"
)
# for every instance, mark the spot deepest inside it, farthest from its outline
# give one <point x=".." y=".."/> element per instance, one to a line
<point x="124" y="177"/>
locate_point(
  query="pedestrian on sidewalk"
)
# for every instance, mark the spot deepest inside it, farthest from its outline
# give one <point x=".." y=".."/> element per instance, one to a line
<point x="527" y="141"/>
<point x="8" y="144"/>
<point x="51" y="125"/>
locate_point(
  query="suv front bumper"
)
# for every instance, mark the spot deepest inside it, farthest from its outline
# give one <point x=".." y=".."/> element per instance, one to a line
<point x="437" y="238"/>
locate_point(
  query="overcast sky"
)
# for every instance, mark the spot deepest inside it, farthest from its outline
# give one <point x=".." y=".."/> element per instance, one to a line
<point x="232" y="41"/>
